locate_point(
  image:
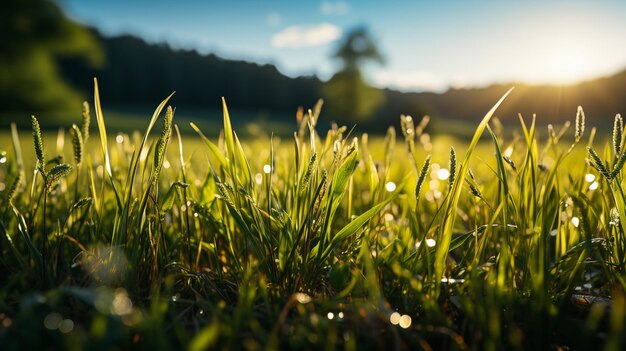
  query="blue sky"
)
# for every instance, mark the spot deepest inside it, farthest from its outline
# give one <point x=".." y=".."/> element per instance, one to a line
<point x="428" y="45"/>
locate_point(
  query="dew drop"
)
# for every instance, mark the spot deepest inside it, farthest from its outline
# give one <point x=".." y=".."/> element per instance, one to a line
<point x="395" y="318"/>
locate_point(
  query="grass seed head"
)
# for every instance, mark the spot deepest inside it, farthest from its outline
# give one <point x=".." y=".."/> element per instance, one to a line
<point x="15" y="186"/>
<point x="422" y="177"/>
<point x="161" y="147"/>
<point x="475" y="190"/>
<point x="618" y="128"/>
<point x="419" y="130"/>
<point x="597" y="163"/>
<point x="86" y="121"/>
<point x="580" y="123"/>
<point x="77" y="144"/>
<point x="38" y="141"/>
<point x="552" y="134"/>
<point x="509" y="162"/>
<point x="452" y="166"/>
<point x="309" y="170"/>
<point x="408" y="127"/>
<point x="390" y="138"/>
<point x="55" y="175"/>
<point x="618" y="165"/>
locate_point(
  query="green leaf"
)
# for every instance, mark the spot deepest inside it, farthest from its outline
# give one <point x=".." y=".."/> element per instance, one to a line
<point x="215" y="151"/>
<point x="205" y="338"/>
<point x="168" y="201"/>
<point x="103" y="140"/>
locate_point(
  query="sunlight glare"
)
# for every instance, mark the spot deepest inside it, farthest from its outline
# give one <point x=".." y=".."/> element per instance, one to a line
<point x="443" y="174"/>
<point x="568" y="65"/>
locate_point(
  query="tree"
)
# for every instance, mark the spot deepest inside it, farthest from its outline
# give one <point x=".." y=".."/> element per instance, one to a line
<point x="347" y="94"/>
<point x="33" y="34"/>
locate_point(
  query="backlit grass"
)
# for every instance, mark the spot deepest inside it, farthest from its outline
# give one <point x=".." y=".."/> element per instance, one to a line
<point x="326" y="240"/>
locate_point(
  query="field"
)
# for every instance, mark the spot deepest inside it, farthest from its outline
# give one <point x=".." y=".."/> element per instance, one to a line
<point x="325" y="240"/>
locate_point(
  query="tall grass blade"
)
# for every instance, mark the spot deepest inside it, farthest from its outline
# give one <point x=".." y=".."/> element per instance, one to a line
<point x="104" y="142"/>
<point x="449" y="215"/>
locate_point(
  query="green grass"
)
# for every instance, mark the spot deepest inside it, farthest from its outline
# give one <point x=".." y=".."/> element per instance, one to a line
<point x="320" y="241"/>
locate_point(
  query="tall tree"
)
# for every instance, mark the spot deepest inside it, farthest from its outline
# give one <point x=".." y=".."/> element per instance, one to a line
<point x="347" y="94"/>
<point x="33" y="34"/>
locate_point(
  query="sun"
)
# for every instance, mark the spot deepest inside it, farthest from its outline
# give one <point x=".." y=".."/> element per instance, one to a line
<point x="568" y="65"/>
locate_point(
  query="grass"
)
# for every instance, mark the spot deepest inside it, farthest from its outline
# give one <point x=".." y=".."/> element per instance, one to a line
<point x="322" y="241"/>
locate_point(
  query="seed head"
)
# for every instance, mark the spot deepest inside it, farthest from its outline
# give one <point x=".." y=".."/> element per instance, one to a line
<point x="86" y="121"/>
<point x="475" y="190"/>
<point x="309" y="170"/>
<point x="618" y="128"/>
<point x="15" y="186"/>
<point x="159" y="153"/>
<point x="597" y="163"/>
<point x="419" y="130"/>
<point x="422" y="177"/>
<point x="38" y="141"/>
<point x="618" y="165"/>
<point x="580" y="123"/>
<point x="55" y="175"/>
<point x="452" y="166"/>
<point x="77" y="144"/>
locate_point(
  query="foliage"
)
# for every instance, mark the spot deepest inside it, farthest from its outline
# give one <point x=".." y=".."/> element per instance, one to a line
<point x="33" y="34"/>
<point x="320" y="242"/>
<point x="349" y="96"/>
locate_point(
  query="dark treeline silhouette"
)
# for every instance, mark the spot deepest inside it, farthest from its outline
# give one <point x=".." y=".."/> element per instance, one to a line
<point x="138" y="73"/>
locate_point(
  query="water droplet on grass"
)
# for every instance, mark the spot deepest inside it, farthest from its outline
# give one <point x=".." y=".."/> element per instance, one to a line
<point x="395" y="318"/>
<point x="443" y="174"/>
<point x="66" y="326"/>
<point x="405" y="321"/>
<point x="302" y="298"/>
<point x="53" y="321"/>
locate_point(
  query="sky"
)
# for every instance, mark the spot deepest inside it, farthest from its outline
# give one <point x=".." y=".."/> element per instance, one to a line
<point x="428" y="45"/>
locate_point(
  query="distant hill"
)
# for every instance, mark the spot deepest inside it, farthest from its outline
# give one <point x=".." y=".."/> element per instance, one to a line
<point x="601" y="98"/>
<point x="137" y="72"/>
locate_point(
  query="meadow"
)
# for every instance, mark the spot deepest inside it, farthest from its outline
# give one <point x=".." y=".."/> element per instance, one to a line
<point x="324" y="240"/>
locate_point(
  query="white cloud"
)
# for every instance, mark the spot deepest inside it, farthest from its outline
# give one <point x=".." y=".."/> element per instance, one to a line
<point x="334" y="8"/>
<point x="410" y="81"/>
<point x="306" y="36"/>
<point x="274" y="19"/>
